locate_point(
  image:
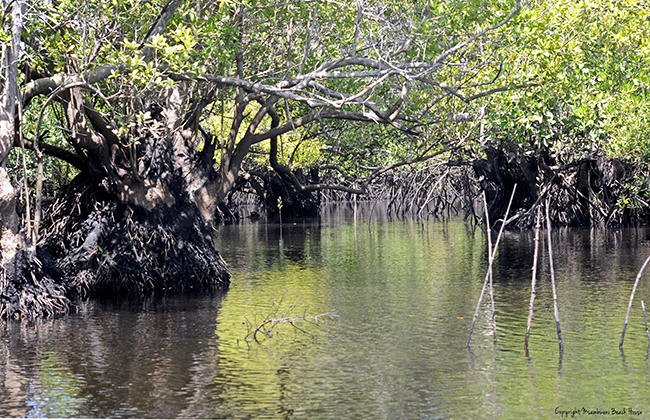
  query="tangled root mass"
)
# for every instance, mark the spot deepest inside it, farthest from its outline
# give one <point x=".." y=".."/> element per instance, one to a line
<point x="35" y="289"/>
<point x="111" y="250"/>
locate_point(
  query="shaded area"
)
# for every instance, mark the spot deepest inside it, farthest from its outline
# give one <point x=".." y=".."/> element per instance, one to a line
<point x="599" y="192"/>
<point x="111" y="250"/>
<point x="156" y="359"/>
<point x="36" y="289"/>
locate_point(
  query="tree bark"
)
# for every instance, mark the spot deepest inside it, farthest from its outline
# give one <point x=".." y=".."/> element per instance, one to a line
<point x="11" y="241"/>
<point x="30" y="286"/>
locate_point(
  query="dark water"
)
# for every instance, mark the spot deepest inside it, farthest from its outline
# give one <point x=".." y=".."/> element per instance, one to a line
<point x="397" y="298"/>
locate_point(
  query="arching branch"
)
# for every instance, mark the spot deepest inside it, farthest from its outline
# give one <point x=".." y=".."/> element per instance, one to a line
<point x="47" y="85"/>
<point x="56" y="152"/>
<point x="280" y="168"/>
<point x="157" y="28"/>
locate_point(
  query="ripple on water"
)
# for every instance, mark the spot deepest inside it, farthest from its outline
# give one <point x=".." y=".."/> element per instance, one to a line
<point x="405" y="293"/>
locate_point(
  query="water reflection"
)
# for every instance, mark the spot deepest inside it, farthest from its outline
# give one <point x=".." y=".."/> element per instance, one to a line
<point x="153" y="360"/>
<point x="404" y="291"/>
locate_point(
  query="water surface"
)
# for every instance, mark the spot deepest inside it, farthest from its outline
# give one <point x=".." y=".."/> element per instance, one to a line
<point x="396" y="298"/>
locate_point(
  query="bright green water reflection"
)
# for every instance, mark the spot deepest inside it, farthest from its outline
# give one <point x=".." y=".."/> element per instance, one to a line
<point x="403" y="292"/>
<point x="397" y="313"/>
<point x="58" y="390"/>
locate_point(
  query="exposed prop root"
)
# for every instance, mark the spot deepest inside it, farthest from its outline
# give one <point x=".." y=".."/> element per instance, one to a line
<point x="140" y="258"/>
<point x="38" y="289"/>
<point x="433" y="189"/>
<point x="267" y="188"/>
<point x="295" y="203"/>
<point x="115" y="250"/>
<point x="588" y="192"/>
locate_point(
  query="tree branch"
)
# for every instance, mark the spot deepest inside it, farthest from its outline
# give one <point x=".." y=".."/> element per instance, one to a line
<point x="245" y="143"/>
<point x="161" y="23"/>
<point x="390" y="167"/>
<point x="442" y="56"/>
<point x="100" y="125"/>
<point x="55" y="151"/>
<point x="47" y="85"/>
<point x="259" y="190"/>
<point x="319" y="115"/>
<point x="282" y="169"/>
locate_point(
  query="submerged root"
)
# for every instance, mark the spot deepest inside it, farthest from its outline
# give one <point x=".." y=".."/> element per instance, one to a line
<point x="277" y="194"/>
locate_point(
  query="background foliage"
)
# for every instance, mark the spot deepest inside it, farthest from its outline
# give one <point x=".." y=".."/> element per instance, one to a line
<point x="574" y="75"/>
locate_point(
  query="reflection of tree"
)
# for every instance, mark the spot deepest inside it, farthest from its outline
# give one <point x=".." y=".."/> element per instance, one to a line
<point x="34" y="381"/>
<point x="14" y="381"/>
<point x="595" y="270"/>
<point x="390" y="283"/>
<point x="401" y="290"/>
<point x="56" y="391"/>
<point x="158" y="360"/>
<point x="259" y="248"/>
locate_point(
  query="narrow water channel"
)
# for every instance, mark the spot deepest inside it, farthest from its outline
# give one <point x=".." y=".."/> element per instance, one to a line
<point x="371" y="318"/>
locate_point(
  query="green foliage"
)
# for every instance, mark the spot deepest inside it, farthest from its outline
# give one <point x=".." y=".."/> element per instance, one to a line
<point x="578" y="72"/>
<point x="56" y="172"/>
<point x="586" y="64"/>
<point x="634" y="192"/>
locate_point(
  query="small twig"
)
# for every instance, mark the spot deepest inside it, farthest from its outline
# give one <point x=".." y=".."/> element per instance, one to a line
<point x="280" y="314"/>
<point x="266" y="330"/>
<point x="293" y="324"/>
<point x="550" y="261"/>
<point x="39" y="155"/>
<point x="26" y="185"/>
<point x="645" y="319"/>
<point x="490" y="261"/>
<point x="259" y="328"/>
<point x="629" y="306"/>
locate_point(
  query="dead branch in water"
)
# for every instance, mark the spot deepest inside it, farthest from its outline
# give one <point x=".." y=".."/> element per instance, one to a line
<point x="533" y="282"/>
<point x="550" y="261"/>
<point x="645" y="320"/>
<point x="489" y="235"/>
<point x="270" y="326"/>
<point x="629" y="306"/>
<point x="280" y="315"/>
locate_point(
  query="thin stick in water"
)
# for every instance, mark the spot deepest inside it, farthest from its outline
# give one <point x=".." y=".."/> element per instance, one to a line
<point x="490" y="261"/>
<point x="550" y="261"/>
<point x="645" y="319"/>
<point x="533" y="281"/>
<point x="489" y="238"/>
<point x="629" y="306"/>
